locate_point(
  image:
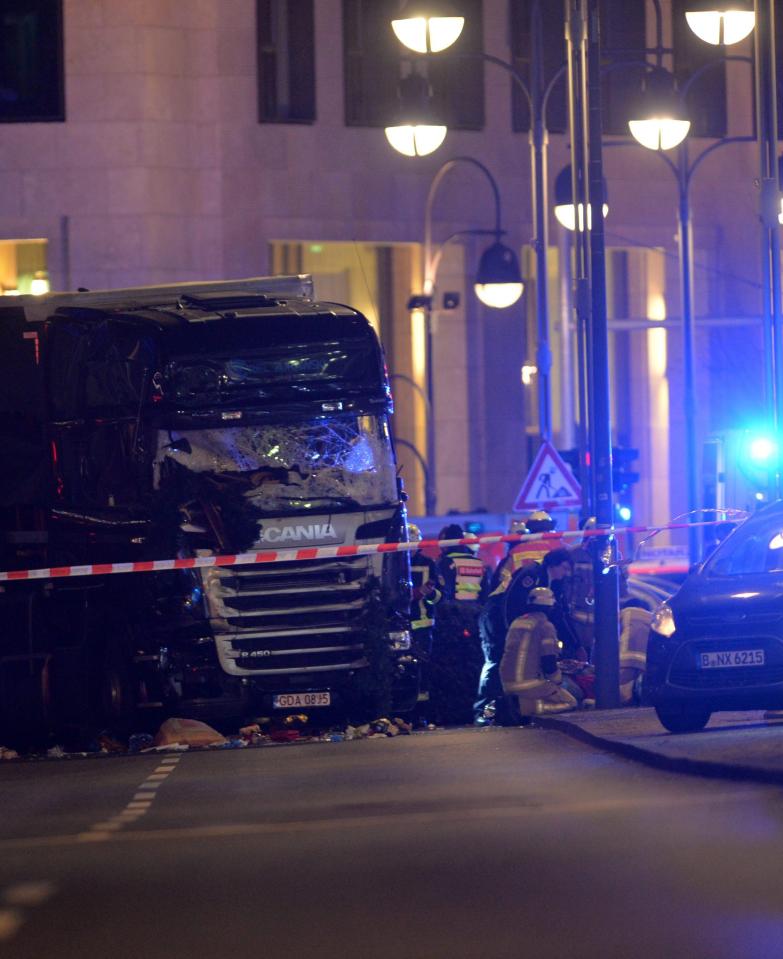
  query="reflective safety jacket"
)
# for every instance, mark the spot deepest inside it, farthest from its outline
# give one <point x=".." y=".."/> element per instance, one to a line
<point x="634" y="628"/>
<point x="463" y="576"/>
<point x="423" y="571"/>
<point x="530" y="657"/>
<point x="532" y="551"/>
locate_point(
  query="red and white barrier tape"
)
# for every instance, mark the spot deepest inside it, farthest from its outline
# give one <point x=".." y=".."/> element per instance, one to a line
<point x="319" y="552"/>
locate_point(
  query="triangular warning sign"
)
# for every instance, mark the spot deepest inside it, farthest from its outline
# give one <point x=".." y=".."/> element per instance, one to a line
<point x="549" y="484"/>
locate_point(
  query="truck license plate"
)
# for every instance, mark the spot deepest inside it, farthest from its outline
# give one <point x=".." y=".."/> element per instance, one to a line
<point x="300" y="700"/>
<point x="734" y="657"/>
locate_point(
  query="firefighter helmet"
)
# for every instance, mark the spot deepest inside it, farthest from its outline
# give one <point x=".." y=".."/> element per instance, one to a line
<point x="540" y="522"/>
<point x="541" y="596"/>
<point x="414" y="533"/>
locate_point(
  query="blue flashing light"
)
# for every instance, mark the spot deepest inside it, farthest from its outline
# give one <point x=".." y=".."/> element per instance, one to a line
<point x="624" y="512"/>
<point x="762" y="450"/>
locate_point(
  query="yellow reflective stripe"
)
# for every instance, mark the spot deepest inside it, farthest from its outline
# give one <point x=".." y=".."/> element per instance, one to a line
<point x="631" y="656"/>
<point x="421" y="623"/>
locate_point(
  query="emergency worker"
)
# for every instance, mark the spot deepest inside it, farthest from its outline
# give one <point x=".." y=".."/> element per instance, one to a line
<point x="426" y="595"/>
<point x="553" y="571"/>
<point x="491" y="705"/>
<point x="634" y="629"/>
<point x="456" y="655"/>
<point x="536" y="549"/>
<point x="462" y="576"/>
<point x="528" y="669"/>
<point x="507" y="601"/>
<point x="514" y="558"/>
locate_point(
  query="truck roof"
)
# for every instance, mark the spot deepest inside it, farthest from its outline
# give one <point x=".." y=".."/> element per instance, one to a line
<point x="208" y="295"/>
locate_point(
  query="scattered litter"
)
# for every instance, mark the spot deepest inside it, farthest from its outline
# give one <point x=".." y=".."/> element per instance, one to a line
<point x="6" y="753"/>
<point x="56" y="752"/>
<point x="296" y="719"/>
<point x="107" y="744"/>
<point x="188" y="732"/>
<point x="139" y="742"/>
<point x="284" y="735"/>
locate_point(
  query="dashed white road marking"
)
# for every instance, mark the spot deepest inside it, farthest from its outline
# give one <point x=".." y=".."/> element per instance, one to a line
<point x="28" y="893"/>
<point x="17" y="898"/>
<point x="137" y="807"/>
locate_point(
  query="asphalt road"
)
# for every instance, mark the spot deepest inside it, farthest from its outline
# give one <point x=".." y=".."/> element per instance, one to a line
<point x="482" y="844"/>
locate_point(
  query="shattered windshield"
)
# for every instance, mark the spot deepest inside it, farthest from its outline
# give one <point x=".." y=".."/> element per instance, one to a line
<point x="330" y="462"/>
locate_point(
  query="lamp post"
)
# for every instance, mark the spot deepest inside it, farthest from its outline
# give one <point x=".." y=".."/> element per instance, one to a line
<point x="420" y="26"/>
<point x="498" y="284"/>
<point x="723" y="23"/>
<point x="766" y="123"/>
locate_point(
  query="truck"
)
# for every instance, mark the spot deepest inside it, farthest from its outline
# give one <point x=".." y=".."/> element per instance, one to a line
<point x="195" y="420"/>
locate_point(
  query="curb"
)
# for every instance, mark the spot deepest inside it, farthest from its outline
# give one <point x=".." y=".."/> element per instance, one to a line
<point x="678" y="764"/>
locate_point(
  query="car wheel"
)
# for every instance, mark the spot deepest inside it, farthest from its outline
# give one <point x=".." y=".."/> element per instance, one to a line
<point x="683" y="719"/>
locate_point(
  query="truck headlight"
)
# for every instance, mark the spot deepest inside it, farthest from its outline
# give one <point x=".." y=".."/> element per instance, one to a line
<point x="400" y="639"/>
<point x="663" y="621"/>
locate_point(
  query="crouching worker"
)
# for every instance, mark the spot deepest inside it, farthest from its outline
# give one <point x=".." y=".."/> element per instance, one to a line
<point x="529" y="667"/>
<point x="634" y="629"/>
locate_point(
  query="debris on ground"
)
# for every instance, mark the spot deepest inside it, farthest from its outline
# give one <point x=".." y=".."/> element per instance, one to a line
<point x="188" y="732"/>
<point x="108" y="744"/>
<point x="182" y="735"/>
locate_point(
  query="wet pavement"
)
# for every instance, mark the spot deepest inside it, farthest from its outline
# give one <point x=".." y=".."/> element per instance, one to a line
<point x="734" y="744"/>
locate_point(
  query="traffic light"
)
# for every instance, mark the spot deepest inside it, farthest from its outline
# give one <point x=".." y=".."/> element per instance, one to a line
<point x="623" y="477"/>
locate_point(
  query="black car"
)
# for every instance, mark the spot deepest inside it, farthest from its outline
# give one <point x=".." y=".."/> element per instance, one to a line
<point x="717" y="644"/>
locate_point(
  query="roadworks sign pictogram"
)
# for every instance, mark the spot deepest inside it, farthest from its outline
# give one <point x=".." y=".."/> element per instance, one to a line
<point x="550" y="484"/>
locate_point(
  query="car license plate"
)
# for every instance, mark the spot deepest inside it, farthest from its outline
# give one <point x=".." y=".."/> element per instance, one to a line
<point x="300" y="700"/>
<point x="733" y="657"/>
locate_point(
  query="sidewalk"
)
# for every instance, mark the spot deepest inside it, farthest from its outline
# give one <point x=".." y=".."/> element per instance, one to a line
<point x="740" y="745"/>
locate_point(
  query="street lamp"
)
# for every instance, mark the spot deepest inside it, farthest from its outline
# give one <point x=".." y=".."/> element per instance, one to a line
<point x="498" y="285"/>
<point x="564" y="203"/>
<point x="660" y="121"/>
<point x="764" y="75"/>
<point x="537" y="96"/>
<point x="498" y="278"/>
<point x="721" y="22"/>
<point x="428" y="27"/>
<point x="416" y="132"/>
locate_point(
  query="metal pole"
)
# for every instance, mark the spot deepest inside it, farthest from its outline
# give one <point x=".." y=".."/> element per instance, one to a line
<point x="538" y="146"/>
<point x="567" y="371"/>
<point x="685" y="242"/>
<point x="431" y="260"/>
<point x="606" y="654"/>
<point x="766" y="122"/>
<point x="430" y="490"/>
<point x="573" y="30"/>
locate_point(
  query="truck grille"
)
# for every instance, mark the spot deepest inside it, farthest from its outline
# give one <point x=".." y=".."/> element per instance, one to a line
<point x="288" y="618"/>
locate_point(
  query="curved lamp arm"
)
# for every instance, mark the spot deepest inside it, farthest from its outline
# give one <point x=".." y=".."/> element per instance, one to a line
<point x="430" y="261"/>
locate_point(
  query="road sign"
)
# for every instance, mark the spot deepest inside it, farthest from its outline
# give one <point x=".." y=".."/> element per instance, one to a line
<point x="550" y="484"/>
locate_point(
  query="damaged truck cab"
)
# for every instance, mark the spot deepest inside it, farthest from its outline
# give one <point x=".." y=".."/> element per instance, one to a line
<point x="194" y="420"/>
